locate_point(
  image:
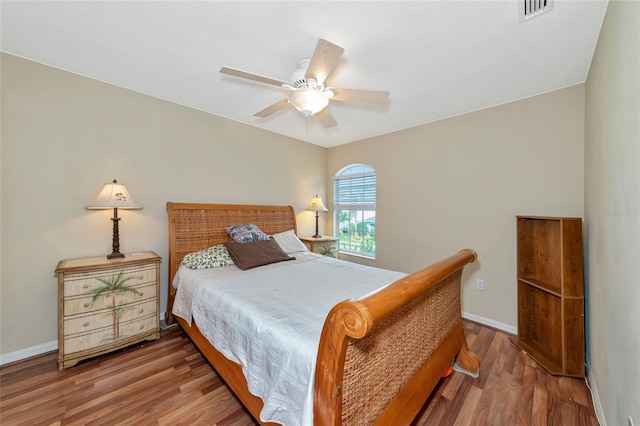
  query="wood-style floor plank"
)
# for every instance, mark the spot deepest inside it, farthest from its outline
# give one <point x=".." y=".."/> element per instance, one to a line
<point x="168" y="382"/>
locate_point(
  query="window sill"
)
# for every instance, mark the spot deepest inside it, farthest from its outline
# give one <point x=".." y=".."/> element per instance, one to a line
<point x="350" y="253"/>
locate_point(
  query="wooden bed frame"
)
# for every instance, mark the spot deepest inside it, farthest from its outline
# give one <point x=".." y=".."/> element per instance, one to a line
<point x="379" y="356"/>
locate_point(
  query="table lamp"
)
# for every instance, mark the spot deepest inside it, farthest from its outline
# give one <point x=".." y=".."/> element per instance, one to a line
<point x="316" y="206"/>
<point x="114" y="196"/>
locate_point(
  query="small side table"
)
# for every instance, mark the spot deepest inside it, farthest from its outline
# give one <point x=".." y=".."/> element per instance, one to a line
<point x="327" y="246"/>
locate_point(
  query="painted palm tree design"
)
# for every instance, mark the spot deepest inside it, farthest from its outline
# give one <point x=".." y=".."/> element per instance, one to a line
<point x="327" y="251"/>
<point x="112" y="288"/>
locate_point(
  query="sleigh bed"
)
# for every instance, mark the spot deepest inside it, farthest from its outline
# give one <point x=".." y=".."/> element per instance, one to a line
<point x="379" y="356"/>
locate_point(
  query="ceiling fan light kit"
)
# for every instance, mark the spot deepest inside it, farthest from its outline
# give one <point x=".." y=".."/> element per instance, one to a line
<point x="308" y="92"/>
<point x="309" y="101"/>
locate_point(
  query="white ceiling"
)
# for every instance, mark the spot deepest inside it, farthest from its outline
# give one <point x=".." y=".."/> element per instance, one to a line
<point x="437" y="58"/>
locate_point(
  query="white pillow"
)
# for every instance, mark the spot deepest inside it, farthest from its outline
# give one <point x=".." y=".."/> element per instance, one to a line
<point x="289" y="242"/>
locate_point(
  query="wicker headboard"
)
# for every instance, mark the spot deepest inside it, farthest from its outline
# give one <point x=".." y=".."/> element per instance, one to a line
<point x="194" y="227"/>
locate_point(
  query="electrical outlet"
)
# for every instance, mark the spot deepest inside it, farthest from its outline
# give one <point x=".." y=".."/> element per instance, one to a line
<point x="480" y="284"/>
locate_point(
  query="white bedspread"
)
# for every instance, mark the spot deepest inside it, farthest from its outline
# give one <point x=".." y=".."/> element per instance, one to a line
<point x="269" y="320"/>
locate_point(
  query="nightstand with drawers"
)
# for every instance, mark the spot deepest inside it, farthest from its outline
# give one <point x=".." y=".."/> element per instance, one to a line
<point x="106" y="304"/>
<point x="327" y="246"/>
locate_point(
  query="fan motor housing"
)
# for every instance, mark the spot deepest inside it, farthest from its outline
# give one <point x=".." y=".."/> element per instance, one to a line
<point x="298" y="79"/>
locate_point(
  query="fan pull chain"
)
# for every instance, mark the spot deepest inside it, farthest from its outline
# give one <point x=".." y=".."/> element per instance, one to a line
<point x="306" y="124"/>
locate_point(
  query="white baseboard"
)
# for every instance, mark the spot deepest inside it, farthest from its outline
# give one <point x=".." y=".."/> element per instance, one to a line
<point x="597" y="405"/>
<point x="40" y="349"/>
<point x="489" y="322"/>
<point x="28" y="352"/>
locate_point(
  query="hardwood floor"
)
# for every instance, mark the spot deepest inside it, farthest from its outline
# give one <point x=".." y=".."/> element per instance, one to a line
<point x="168" y="382"/>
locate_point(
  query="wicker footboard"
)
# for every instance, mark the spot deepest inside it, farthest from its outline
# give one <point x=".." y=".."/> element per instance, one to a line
<point x="381" y="356"/>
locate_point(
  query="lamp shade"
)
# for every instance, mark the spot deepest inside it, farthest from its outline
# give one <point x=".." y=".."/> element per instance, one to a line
<point x="316" y="205"/>
<point x="114" y="196"/>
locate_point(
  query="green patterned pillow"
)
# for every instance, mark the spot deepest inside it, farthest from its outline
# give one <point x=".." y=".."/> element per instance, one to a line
<point x="212" y="257"/>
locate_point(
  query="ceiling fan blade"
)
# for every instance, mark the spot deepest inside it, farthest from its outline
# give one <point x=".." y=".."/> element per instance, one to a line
<point x="250" y="76"/>
<point x="324" y="60"/>
<point x="363" y="96"/>
<point x="282" y="103"/>
<point x="325" y="118"/>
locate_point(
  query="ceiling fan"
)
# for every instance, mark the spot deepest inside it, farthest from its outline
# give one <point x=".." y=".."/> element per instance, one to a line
<point x="309" y="95"/>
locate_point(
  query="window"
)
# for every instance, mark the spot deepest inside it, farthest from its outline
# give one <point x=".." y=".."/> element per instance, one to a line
<point x="354" y="202"/>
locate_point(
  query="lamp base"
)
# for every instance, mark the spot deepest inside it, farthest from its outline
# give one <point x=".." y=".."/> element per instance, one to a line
<point x="317" y="235"/>
<point x="115" y="247"/>
<point x="115" y="255"/>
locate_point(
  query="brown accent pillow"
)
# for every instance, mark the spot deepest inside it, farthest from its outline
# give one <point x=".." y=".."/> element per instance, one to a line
<point x="257" y="253"/>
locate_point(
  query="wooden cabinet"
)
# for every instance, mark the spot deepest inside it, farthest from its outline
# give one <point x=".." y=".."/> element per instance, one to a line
<point x="106" y="304"/>
<point x="551" y="293"/>
<point x="327" y="246"/>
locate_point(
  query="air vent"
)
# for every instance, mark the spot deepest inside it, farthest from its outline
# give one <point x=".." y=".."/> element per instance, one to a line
<point x="532" y="8"/>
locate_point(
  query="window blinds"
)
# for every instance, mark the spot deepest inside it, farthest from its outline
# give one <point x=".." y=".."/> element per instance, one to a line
<point x="355" y="191"/>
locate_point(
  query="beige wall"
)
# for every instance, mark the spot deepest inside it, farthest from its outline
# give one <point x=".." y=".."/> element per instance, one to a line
<point x="460" y="183"/>
<point x="64" y="136"/>
<point x="442" y="186"/>
<point x="612" y="212"/>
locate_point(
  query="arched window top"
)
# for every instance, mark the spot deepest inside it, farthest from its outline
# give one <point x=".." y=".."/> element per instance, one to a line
<point x="355" y="169"/>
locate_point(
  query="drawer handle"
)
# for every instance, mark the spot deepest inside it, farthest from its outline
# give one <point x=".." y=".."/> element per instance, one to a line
<point x="86" y="305"/>
<point x="140" y="277"/>
<point x="141" y="310"/>
<point x="86" y="324"/>
<point x="141" y="326"/>
<point x="85" y="286"/>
